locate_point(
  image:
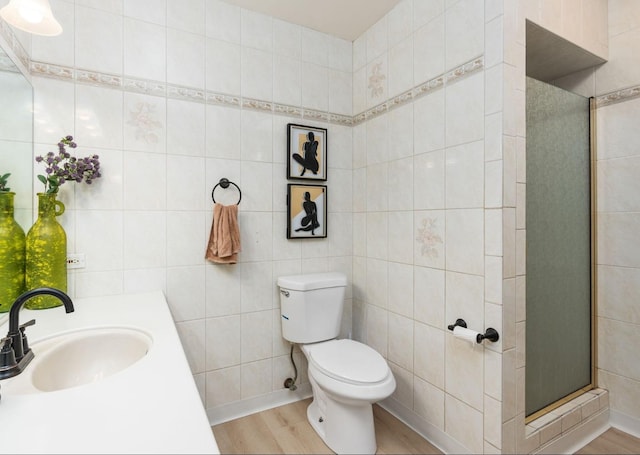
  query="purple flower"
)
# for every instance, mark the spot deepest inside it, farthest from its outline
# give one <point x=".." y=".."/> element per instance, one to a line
<point x="64" y="167"/>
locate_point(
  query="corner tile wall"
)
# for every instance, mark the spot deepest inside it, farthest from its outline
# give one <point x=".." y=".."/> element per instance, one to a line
<point x="174" y="96"/>
<point x="17" y="41"/>
<point x="578" y="21"/>
<point x="425" y="114"/>
<point x="428" y="197"/>
<point x="510" y="224"/>
<point x="584" y="24"/>
<point x="615" y="86"/>
<point x="618" y="115"/>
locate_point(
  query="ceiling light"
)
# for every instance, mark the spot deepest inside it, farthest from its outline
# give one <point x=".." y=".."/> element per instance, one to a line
<point x="33" y="16"/>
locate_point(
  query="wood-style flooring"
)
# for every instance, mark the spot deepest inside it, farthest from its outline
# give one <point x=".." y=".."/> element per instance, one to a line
<point x="285" y="430"/>
<point x="612" y="441"/>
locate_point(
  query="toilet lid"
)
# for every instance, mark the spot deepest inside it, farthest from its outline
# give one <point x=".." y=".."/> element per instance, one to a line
<point x="349" y="361"/>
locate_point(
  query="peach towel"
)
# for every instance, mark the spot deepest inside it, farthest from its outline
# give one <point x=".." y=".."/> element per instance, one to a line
<point x="224" y="240"/>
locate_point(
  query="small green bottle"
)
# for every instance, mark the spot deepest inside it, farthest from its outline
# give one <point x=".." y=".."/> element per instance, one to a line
<point x="12" y="253"/>
<point x="46" y="253"/>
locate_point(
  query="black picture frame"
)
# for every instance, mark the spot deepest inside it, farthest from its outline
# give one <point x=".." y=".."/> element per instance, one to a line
<point x="306" y="152"/>
<point x="306" y="211"/>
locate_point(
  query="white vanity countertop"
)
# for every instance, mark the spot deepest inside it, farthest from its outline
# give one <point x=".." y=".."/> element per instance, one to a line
<point x="151" y="407"/>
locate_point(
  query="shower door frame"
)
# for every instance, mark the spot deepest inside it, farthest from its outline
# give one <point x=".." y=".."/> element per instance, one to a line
<point x="593" y="263"/>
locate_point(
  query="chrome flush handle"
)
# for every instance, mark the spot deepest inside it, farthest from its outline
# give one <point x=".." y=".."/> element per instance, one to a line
<point x="284" y="292"/>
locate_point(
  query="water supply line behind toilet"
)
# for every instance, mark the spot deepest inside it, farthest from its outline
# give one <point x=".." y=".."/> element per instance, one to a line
<point x="290" y="383"/>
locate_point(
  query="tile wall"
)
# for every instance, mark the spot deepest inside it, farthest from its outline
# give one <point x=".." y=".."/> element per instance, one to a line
<point x="174" y="96"/>
<point x="426" y="129"/>
<point x="173" y="99"/>
<point x="618" y="89"/>
<point x="619" y="269"/>
<point x="429" y="169"/>
<point x="615" y="87"/>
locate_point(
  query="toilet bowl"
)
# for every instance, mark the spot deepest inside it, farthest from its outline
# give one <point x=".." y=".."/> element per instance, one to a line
<point x="346" y="376"/>
<point x="349" y="370"/>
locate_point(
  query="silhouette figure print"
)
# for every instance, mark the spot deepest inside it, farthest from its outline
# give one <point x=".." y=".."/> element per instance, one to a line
<point x="310" y="221"/>
<point x="309" y="161"/>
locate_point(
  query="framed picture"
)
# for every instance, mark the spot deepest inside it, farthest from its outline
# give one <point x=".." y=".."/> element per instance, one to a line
<point x="306" y="152"/>
<point x="306" y="211"/>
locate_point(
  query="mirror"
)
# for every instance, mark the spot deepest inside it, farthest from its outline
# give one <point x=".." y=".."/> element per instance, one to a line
<point x="16" y="136"/>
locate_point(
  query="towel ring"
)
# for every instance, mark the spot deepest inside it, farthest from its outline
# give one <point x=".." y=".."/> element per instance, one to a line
<point x="224" y="183"/>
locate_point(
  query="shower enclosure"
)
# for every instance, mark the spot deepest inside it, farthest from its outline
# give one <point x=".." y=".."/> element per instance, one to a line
<point x="559" y="248"/>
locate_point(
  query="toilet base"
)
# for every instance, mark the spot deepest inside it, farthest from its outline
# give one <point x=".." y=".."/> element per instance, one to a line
<point x="345" y="428"/>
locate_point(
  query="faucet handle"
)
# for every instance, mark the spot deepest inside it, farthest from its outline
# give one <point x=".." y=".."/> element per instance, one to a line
<point x="7" y="356"/>
<point x="27" y="324"/>
<point x="23" y="335"/>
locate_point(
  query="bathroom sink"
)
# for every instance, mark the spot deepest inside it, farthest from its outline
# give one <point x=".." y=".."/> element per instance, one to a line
<point x="80" y="358"/>
<point x="133" y="338"/>
<point x="85" y="357"/>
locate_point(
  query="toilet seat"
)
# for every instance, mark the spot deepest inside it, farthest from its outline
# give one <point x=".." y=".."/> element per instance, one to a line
<point x="348" y="361"/>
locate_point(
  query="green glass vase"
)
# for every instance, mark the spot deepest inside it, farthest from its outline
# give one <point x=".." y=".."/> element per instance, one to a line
<point x="46" y="253"/>
<point x="12" y="253"/>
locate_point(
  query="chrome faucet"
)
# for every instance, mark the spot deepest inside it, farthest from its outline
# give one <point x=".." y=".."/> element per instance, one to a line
<point x="15" y="353"/>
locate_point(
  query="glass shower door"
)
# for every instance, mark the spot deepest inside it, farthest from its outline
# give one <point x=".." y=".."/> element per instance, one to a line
<point x="558" y="246"/>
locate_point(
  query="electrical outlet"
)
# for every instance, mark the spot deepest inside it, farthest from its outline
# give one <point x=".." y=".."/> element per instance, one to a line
<point x="76" y="261"/>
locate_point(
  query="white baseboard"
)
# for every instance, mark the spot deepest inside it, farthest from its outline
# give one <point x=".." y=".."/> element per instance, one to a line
<point x="581" y="435"/>
<point x="626" y="423"/>
<point x="249" y="406"/>
<point x="437" y="437"/>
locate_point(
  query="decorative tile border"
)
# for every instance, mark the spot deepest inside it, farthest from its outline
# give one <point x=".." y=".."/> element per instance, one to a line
<point x="290" y="111"/>
<point x="258" y="105"/>
<point x="186" y="93"/>
<point x="464" y="70"/>
<point x="14" y="45"/>
<point x="6" y="64"/>
<point x="344" y="120"/>
<point x="618" y="96"/>
<point x="222" y="99"/>
<point x="95" y="78"/>
<point x="53" y="71"/>
<point x="420" y="90"/>
<point x="157" y="88"/>
<point x="312" y="114"/>
<point x="144" y="86"/>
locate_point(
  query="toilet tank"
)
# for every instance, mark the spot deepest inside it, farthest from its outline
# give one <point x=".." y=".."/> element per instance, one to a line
<point x="311" y="306"/>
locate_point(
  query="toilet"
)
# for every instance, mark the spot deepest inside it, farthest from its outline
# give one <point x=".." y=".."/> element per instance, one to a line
<point x="346" y="376"/>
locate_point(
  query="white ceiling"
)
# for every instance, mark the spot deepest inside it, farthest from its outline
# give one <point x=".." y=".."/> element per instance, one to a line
<point x="346" y="19"/>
